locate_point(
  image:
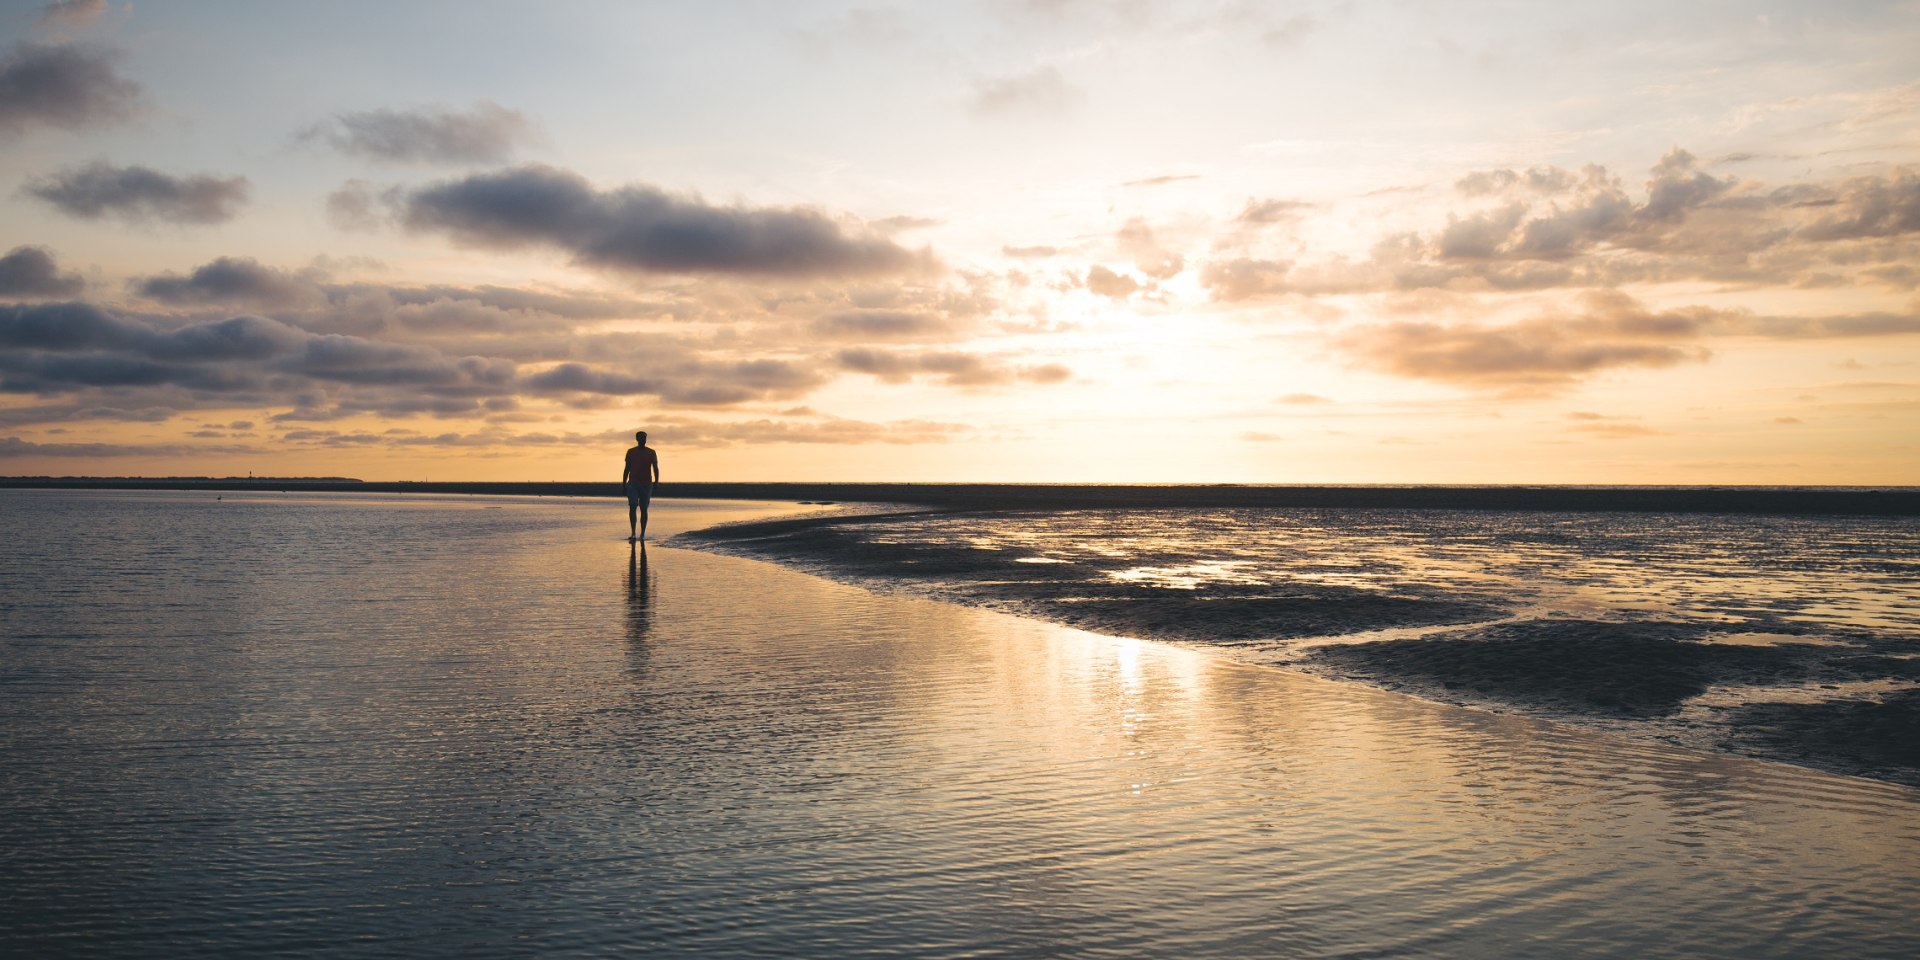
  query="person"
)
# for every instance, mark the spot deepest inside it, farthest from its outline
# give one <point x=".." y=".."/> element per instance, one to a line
<point x="637" y="478"/>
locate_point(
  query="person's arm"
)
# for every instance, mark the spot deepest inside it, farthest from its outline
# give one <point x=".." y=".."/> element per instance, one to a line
<point x="626" y="470"/>
<point x="656" y="468"/>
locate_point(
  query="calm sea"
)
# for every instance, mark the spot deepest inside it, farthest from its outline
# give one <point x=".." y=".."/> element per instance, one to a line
<point x="271" y="725"/>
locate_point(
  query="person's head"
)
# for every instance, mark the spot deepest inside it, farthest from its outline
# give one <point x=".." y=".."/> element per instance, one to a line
<point x="641" y="437"/>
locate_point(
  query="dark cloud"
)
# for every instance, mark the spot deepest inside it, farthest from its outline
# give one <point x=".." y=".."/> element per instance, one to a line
<point x="580" y="378"/>
<point x="69" y="87"/>
<point x="642" y="229"/>
<point x="230" y="281"/>
<point x="486" y="133"/>
<point x="953" y="368"/>
<point x="67" y="326"/>
<point x="1040" y="92"/>
<point x="138" y="194"/>
<point x="32" y="272"/>
<point x="878" y="324"/>
<point x="72" y="13"/>
<point x="65" y="346"/>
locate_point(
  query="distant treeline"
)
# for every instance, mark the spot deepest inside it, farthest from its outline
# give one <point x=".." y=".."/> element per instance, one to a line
<point x="147" y="481"/>
<point x="1880" y="501"/>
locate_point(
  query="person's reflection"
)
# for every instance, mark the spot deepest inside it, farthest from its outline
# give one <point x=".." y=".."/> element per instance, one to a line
<point x="639" y="604"/>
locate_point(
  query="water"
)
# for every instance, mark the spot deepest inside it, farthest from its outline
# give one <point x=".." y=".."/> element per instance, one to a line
<point x="1796" y="638"/>
<point x="282" y="725"/>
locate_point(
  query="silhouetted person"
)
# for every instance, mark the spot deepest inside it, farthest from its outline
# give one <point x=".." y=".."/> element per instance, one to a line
<point x="637" y="478"/>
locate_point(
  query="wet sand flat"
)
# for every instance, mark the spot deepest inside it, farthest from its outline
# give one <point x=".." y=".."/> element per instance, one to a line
<point x="445" y="729"/>
<point x="1796" y="638"/>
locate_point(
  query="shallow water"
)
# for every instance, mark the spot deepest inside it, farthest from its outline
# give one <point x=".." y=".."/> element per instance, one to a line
<point x="484" y="728"/>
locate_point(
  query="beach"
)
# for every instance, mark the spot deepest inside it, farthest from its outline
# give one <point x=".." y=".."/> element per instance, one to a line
<point x="268" y="725"/>
<point x="1795" y="638"/>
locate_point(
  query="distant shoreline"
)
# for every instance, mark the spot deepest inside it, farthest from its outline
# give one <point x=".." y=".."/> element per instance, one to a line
<point x="1862" y="501"/>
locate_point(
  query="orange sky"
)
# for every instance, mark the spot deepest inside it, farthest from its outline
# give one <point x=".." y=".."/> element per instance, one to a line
<point x="1022" y="241"/>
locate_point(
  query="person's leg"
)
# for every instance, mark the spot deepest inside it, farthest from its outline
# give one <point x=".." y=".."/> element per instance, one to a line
<point x="630" y="531"/>
<point x="645" y="502"/>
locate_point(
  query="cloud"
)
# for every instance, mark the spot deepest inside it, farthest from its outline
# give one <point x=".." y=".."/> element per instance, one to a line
<point x="1272" y="210"/>
<point x="902" y="224"/>
<point x="69" y="87"/>
<point x="761" y="432"/>
<point x="1871" y="207"/>
<point x="358" y="205"/>
<point x="1302" y="399"/>
<point x="1040" y="92"/>
<point x="685" y="380"/>
<point x="1831" y="328"/>
<point x="31" y="272"/>
<point x="486" y="133"/>
<point x="1545" y="353"/>
<point x="951" y="367"/>
<point x="1135" y="239"/>
<point x="140" y="195"/>
<point x="1104" y="282"/>
<point x="1161" y="181"/>
<point x="230" y="281"/>
<point x="1616" y="431"/>
<point x="72" y="13"/>
<point x="1029" y="253"/>
<point x="878" y="324"/>
<point x="643" y="229"/>
<point x="61" y="347"/>
<point x="1551" y="228"/>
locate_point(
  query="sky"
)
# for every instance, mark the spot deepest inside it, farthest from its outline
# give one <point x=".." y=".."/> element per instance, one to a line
<point x="1011" y="240"/>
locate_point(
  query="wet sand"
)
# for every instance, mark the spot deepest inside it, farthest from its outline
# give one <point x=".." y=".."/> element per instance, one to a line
<point x="1794" y="639"/>
<point x="502" y="731"/>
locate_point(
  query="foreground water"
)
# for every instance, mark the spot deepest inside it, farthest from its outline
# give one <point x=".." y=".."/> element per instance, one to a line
<point x="276" y="725"/>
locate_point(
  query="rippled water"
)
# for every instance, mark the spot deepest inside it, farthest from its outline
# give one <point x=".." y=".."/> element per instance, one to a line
<point x="272" y="725"/>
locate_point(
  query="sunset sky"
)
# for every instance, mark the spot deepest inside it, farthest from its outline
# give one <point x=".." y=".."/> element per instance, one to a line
<point x="1050" y="240"/>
